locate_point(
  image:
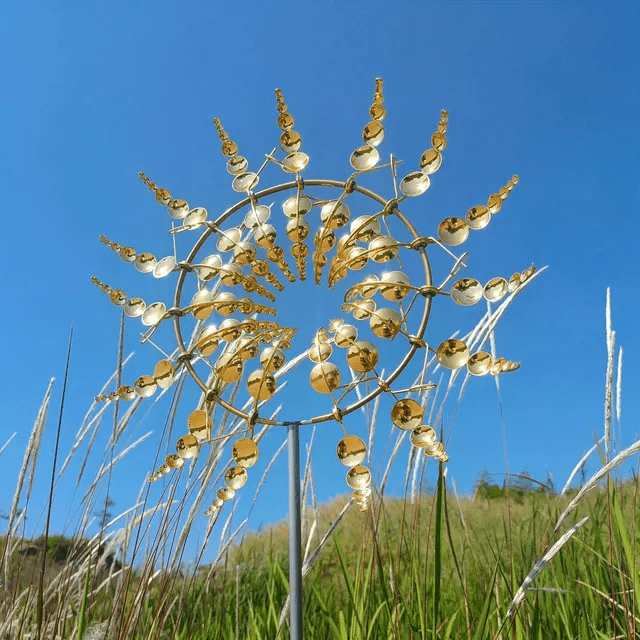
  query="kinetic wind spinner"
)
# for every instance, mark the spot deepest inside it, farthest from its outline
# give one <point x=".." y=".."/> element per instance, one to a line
<point x="230" y="286"/>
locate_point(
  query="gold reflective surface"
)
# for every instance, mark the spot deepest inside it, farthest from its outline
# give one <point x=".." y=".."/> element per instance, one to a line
<point x="134" y="307"/>
<point x="423" y="436"/>
<point x="480" y="363"/>
<point x="356" y="258"/>
<point x="334" y="214"/>
<point x="164" y="267"/>
<point x="290" y="141"/>
<point x="363" y="309"/>
<point x="415" y="184"/>
<point x="495" y="289"/>
<point x="466" y="292"/>
<point x="369" y="286"/>
<point x="406" y="414"/>
<point x="244" y="182"/>
<point x="497" y="366"/>
<point x="295" y="162"/>
<point x="365" y="228"/>
<point x="195" y="217"/>
<point x="208" y="340"/>
<point x="385" y="323"/>
<point x="478" y="217"/>
<point x="514" y="282"/>
<point x="164" y="373"/>
<point x="178" y="208"/>
<point x="199" y="424"/>
<point x="230" y="330"/>
<point x="261" y="384"/>
<point x="345" y="336"/>
<point x="453" y="231"/>
<point x="145" y="262"/>
<point x="383" y="249"/>
<point x="351" y="451"/>
<point x="324" y="239"/>
<point x="187" y="446"/>
<point x="272" y="359"/>
<point x="128" y="254"/>
<point x="145" y="386"/>
<point x="225" y="303"/>
<point x="237" y="165"/>
<point x="358" y="477"/>
<point x="265" y="236"/>
<point x="494" y="203"/>
<point x="225" y="493"/>
<point x="430" y="161"/>
<point x="229" y="367"/>
<point x="297" y="230"/>
<point x="245" y="452"/>
<point x="395" y="285"/>
<point x="285" y="121"/>
<point x="373" y="134"/>
<point x="377" y="112"/>
<point x="297" y="205"/>
<point x="236" y="477"/>
<point x="325" y="377"/>
<point x="117" y="297"/>
<point x="436" y="450"/>
<point x="320" y="351"/>
<point x="257" y="216"/>
<point x="244" y="253"/>
<point x="201" y="303"/>
<point x="126" y="392"/>
<point x="362" y="356"/>
<point x="364" y="158"/>
<point x="452" y="354"/>
<point x="153" y="313"/>
<point x="174" y="461"/>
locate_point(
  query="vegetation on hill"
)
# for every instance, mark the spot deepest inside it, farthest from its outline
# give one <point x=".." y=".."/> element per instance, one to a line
<point x="517" y="560"/>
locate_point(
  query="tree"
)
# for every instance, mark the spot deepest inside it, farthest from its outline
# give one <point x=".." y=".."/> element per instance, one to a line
<point x="104" y="515"/>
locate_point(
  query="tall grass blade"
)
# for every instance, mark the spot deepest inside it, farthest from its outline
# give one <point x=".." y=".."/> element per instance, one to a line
<point x="437" y="572"/>
<point x="577" y="468"/>
<point x="595" y="478"/>
<point x="539" y="566"/>
<point x="51" y="485"/>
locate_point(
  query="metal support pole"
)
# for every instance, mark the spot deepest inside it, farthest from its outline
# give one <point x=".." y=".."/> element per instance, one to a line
<point x="295" y="535"/>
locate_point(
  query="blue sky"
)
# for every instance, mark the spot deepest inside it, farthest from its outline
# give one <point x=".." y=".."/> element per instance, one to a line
<point x="93" y="94"/>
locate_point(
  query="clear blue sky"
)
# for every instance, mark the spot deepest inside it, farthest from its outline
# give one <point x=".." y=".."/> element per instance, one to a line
<point x="93" y="93"/>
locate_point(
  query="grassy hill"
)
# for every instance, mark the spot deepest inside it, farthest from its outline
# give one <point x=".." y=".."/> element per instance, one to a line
<point x="433" y="569"/>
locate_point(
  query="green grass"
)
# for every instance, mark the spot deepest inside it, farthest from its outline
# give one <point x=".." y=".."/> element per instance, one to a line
<point x="517" y="562"/>
<point x="422" y="571"/>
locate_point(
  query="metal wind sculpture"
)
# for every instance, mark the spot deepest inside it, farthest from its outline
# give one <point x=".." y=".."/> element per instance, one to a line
<point x="351" y="239"/>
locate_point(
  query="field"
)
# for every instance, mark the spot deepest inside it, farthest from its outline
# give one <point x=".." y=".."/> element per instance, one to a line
<point x="520" y="560"/>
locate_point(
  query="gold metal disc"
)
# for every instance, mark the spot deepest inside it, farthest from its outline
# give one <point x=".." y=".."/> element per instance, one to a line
<point x="325" y="377"/>
<point x="452" y="354"/>
<point x="406" y="414"/>
<point x="358" y="477"/>
<point x="351" y="451"/>
<point x="362" y="356"/>
<point x="245" y="452"/>
<point x="187" y="446"/>
<point x="236" y="477"/>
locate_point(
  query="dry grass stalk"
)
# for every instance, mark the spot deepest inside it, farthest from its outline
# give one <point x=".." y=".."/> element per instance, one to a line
<point x="595" y="478"/>
<point x="538" y="566"/>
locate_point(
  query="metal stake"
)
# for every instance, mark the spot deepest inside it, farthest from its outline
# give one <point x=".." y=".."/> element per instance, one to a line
<point x="295" y="536"/>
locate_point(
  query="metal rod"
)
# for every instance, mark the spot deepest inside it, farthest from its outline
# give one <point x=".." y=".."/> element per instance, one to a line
<point x="295" y="536"/>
